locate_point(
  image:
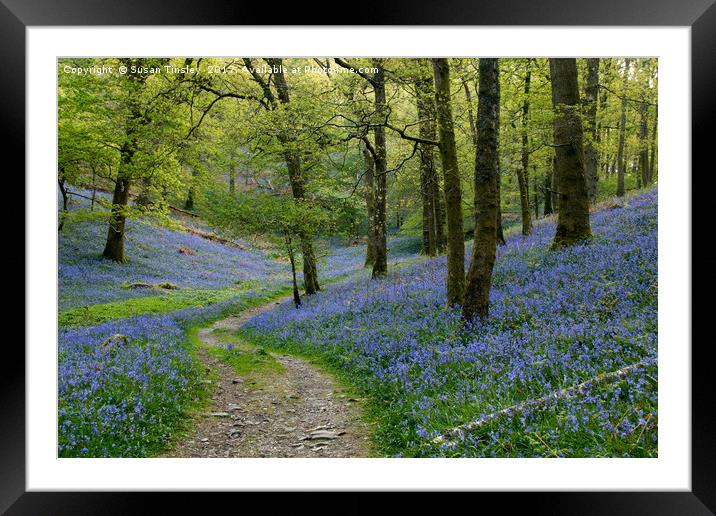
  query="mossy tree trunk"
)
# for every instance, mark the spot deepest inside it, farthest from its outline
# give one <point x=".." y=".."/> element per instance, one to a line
<point x="295" y="173"/>
<point x="453" y="193"/>
<point x="292" y="260"/>
<point x="368" y="177"/>
<point x="484" y="249"/>
<point x="114" y="246"/>
<point x="573" y="211"/>
<point x="189" y="203"/>
<point x="65" y="200"/>
<point x="310" y="273"/>
<point x="380" y="266"/>
<point x="555" y="185"/>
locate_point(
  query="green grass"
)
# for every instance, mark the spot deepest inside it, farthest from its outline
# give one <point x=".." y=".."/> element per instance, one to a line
<point x="169" y="302"/>
<point x="245" y="358"/>
<point x="198" y="400"/>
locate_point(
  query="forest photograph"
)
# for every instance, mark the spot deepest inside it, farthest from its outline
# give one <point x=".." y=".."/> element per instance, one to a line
<point x="357" y="257"/>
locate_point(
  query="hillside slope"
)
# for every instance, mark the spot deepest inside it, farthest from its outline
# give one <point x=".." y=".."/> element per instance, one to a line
<point x="557" y="319"/>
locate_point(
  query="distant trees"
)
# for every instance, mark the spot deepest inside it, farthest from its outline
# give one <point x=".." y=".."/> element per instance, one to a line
<point x="274" y="97"/>
<point x="590" y="117"/>
<point x="378" y="233"/>
<point x="370" y="140"/>
<point x="573" y="209"/>
<point x="621" y="160"/>
<point x="132" y="135"/>
<point x="523" y="173"/>
<point x="273" y="217"/>
<point x="293" y="163"/>
<point x="432" y="221"/>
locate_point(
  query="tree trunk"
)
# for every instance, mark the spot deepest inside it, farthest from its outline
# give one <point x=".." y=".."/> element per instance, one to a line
<point x="453" y="194"/>
<point x="484" y="249"/>
<point x="498" y="184"/>
<point x="470" y="117"/>
<point x="439" y="205"/>
<point x="523" y="173"/>
<point x="63" y="191"/>
<point x="114" y="247"/>
<point x="380" y="266"/>
<point x="310" y="274"/>
<point x="426" y="107"/>
<point x="370" y="204"/>
<point x="292" y="259"/>
<point x="189" y="204"/>
<point x="607" y="154"/>
<point x="590" y="117"/>
<point x="295" y="176"/>
<point x="621" y="162"/>
<point x="573" y="215"/>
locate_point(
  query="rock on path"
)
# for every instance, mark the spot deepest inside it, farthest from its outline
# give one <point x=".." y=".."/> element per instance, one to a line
<point x="294" y="412"/>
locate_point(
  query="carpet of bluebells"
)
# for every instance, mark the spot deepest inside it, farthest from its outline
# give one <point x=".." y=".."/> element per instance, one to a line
<point x="128" y="398"/>
<point x="557" y="318"/>
<point x="85" y="278"/>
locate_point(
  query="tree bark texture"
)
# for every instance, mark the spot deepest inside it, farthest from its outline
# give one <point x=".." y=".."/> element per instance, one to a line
<point x="484" y="249"/>
<point x="369" y="175"/>
<point x="380" y="266"/>
<point x="573" y="213"/>
<point x="453" y="193"/>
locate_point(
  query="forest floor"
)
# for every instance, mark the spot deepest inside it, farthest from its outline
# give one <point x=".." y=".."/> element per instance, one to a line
<point x="268" y="405"/>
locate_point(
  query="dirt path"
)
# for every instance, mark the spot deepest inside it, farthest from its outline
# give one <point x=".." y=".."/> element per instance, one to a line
<point x="287" y="410"/>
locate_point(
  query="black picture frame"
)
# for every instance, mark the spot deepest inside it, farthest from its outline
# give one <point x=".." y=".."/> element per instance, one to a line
<point x="700" y="15"/>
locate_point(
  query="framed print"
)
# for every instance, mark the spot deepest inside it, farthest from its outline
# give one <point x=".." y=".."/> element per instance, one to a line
<point x="460" y="273"/>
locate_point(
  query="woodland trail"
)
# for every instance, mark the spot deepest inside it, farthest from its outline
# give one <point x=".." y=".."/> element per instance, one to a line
<point x="291" y="410"/>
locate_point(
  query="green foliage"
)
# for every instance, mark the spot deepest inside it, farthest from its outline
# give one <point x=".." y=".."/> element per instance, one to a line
<point x="247" y="360"/>
<point x="165" y="303"/>
<point x="265" y="214"/>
